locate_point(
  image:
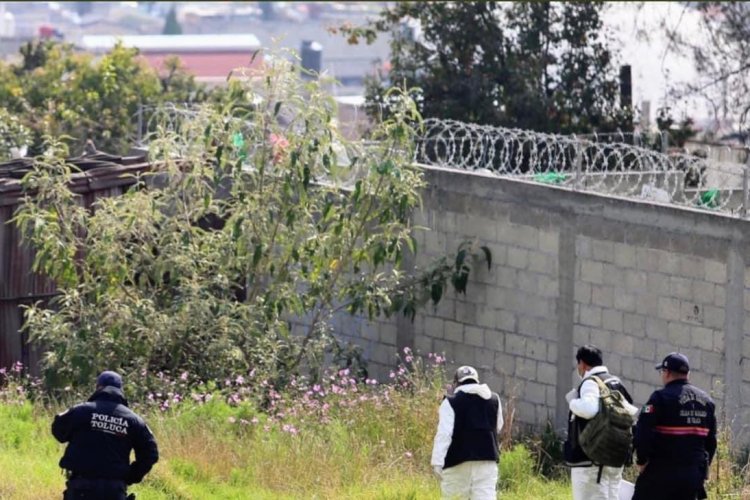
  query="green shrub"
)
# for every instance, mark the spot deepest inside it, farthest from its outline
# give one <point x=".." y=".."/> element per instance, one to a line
<point x="516" y="465"/>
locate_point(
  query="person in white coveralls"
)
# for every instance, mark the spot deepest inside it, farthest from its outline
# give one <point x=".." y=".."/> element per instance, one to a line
<point x="465" y="452"/>
<point x="590" y="481"/>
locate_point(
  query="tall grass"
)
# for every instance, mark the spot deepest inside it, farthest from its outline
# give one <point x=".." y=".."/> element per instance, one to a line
<point x="334" y="439"/>
<point x="206" y="456"/>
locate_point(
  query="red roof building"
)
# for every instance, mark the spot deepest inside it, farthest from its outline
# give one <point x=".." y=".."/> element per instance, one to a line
<point x="209" y="57"/>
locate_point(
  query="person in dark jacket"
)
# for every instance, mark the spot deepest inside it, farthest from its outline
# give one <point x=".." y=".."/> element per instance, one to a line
<point x="465" y="452"/>
<point x="675" y="437"/>
<point x="100" y="435"/>
<point x="590" y="481"/>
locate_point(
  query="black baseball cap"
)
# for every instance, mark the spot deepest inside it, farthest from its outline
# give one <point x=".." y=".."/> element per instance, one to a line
<point x="109" y="379"/>
<point x="675" y="362"/>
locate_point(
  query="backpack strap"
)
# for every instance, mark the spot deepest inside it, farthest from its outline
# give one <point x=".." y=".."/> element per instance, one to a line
<point x="625" y="393"/>
<point x="604" y="390"/>
<point x="602" y="384"/>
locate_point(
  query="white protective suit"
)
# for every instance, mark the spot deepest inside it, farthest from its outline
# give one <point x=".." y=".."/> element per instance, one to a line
<point x="474" y="480"/>
<point x="583" y="478"/>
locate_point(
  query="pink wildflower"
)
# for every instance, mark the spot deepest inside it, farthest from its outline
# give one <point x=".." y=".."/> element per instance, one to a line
<point x="279" y="146"/>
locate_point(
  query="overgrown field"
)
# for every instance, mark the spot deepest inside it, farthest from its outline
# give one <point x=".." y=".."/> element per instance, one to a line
<point x="205" y="456"/>
<point x="337" y="438"/>
<point x="334" y="439"/>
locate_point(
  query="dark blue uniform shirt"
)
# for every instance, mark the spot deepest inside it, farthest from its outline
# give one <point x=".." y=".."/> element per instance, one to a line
<point x="100" y="435"/>
<point x="677" y="426"/>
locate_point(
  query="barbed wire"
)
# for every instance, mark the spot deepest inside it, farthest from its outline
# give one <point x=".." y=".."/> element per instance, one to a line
<point x="169" y="117"/>
<point x="617" y="164"/>
<point x="611" y="168"/>
<point x="172" y="117"/>
<point x="653" y="140"/>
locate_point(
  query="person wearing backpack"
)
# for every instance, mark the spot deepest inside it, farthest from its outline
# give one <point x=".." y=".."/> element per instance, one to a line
<point x="602" y="402"/>
<point x="465" y="451"/>
<point x="675" y="439"/>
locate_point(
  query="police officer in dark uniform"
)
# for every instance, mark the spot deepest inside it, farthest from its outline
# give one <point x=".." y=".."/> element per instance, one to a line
<point x="675" y="438"/>
<point x="100" y="435"/>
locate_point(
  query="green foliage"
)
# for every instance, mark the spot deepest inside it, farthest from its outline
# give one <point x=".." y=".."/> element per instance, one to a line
<point x="516" y="465"/>
<point x="376" y="449"/>
<point x="548" y="452"/>
<point x="431" y="284"/>
<point x="208" y="263"/>
<point x="14" y="135"/>
<point x="55" y="91"/>
<point x="179" y="86"/>
<point x="677" y="135"/>
<point x="171" y="24"/>
<point x="542" y="66"/>
<point x="720" y="53"/>
<point x="729" y="473"/>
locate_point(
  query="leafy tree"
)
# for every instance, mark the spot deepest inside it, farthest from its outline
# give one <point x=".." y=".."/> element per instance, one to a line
<point x="721" y="54"/>
<point x="538" y="65"/>
<point x="34" y="55"/>
<point x="178" y="85"/>
<point x="75" y="96"/>
<point x="14" y="136"/>
<point x="257" y="222"/>
<point x="677" y="135"/>
<point x="171" y="24"/>
<point x="55" y="91"/>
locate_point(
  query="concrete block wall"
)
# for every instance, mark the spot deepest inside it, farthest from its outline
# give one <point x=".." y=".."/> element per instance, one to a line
<point x="506" y="324"/>
<point x="639" y="303"/>
<point x="637" y="279"/>
<point x="377" y="339"/>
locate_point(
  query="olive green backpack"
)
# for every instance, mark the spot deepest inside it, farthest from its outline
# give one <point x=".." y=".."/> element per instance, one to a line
<point x="607" y="438"/>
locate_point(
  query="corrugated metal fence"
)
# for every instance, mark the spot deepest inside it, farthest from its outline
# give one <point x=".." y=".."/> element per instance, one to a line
<point x="101" y="175"/>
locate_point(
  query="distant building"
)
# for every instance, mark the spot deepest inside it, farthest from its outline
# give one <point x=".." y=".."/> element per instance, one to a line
<point x="209" y="57"/>
<point x="352" y="117"/>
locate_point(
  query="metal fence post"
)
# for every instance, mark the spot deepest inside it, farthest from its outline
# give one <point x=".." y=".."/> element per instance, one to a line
<point x="664" y="141"/>
<point x="140" y="123"/>
<point x="578" y="163"/>
<point x="745" y="183"/>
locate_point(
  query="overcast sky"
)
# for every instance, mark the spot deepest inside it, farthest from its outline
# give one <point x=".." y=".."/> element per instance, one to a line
<point x="655" y="64"/>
